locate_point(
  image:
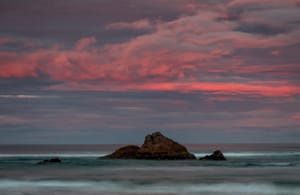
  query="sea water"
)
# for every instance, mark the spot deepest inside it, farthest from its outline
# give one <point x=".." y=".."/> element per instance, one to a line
<point x="251" y="169"/>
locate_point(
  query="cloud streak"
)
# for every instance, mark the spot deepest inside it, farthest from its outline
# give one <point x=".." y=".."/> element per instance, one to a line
<point x="20" y="96"/>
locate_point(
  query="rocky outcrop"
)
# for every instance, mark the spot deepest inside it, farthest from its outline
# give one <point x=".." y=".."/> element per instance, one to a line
<point x="49" y="161"/>
<point x="156" y="146"/>
<point x="126" y="152"/>
<point x="216" y="155"/>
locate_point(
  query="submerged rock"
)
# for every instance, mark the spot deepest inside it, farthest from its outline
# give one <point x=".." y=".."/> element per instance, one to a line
<point x="156" y="146"/>
<point x="49" y="161"/>
<point x="216" y="155"/>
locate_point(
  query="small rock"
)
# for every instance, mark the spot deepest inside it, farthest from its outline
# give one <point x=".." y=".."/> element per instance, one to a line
<point x="216" y="155"/>
<point x="49" y="161"/>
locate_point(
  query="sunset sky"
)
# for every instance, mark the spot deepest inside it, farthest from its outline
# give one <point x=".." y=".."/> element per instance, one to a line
<point x="111" y="71"/>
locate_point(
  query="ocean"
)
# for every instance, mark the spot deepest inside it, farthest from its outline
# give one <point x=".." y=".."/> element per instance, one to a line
<point x="250" y="169"/>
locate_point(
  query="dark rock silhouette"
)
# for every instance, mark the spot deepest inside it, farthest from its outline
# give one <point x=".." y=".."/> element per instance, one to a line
<point x="156" y="146"/>
<point x="216" y="155"/>
<point x="49" y="161"/>
<point x="126" y="152"/>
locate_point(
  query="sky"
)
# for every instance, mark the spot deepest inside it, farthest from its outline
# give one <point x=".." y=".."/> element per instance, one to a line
<point x="111" y="71"/>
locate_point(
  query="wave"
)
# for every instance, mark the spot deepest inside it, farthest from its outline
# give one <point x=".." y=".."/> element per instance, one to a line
<point x="66" y="155"/>
<point x="252" y="154"/>
<point x="197" y="154"/>
<point x="111" y="187"/>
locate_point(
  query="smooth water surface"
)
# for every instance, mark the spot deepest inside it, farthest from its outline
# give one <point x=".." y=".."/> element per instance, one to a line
<point x="262" y="169"/>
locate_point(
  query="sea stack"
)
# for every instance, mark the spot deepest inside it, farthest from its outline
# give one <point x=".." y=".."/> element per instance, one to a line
<point x="126" y="152"/>
<point x="156" y="146"/>
<point x="216" y="155"/>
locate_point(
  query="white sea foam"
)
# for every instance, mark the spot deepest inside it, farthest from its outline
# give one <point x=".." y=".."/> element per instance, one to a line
<point x="67" y="155"/>
<point x="252" y="154"/>
<point x="197" y="154"/>
<point x="110" y="187"/>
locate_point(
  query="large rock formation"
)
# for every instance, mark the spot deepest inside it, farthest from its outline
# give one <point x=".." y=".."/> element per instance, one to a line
<point x="216" y="155"/>
<point x="126" y="152"/>
<point x="156" y="146"/>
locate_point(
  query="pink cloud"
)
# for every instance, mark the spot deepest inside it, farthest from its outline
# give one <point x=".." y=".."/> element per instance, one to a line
<point x="7" y="40"/>
<point x="169" y="58"/>
<point x="296" y="116"/>
<point x="266" y="90"/>
<point x="226" y="88"/>
<point x="275" y="52"/>
<point x="14" y="65"/>
<point x="276" y="69"/>
<point x="270" y="2"/>
<point x="85" y="42"/>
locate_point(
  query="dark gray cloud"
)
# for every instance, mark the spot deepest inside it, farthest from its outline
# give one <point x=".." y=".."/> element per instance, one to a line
<point x="19" y="85"/>
<point x="263" y="29"/>
<point x="68" y="21"/>
<point x="97" y="117"/>
<point x="264" y="18"/>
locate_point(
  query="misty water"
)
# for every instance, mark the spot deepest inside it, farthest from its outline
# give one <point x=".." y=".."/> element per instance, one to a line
<point x="260" y="169"/>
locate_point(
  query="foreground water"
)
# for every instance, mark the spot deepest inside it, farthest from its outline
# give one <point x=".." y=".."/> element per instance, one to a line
<point x="263" y="169"/>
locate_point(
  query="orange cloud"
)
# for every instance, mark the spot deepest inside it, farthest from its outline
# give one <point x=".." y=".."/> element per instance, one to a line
<point x="224" y="88"/>
<point x="266" y="90"/>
